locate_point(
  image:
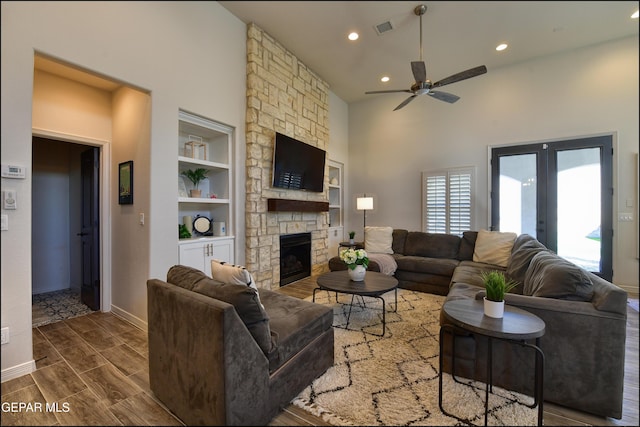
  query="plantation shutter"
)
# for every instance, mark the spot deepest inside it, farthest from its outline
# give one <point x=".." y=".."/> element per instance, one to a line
<point x="436" y="212"/>
<point x="448" y="201"/>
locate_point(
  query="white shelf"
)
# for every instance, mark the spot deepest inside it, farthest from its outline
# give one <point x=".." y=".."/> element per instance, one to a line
<point x="204" y="163"/>
<point x="203" y="200"/>
<point x="212" y="146"/>
<point x="335" y="194"/>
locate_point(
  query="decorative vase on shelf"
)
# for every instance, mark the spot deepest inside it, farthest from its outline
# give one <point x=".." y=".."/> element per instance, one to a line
<point x="352" y="241"/>
<point x="357" y="273"/>
<point x="195" y="193"/>
<point x="493" y="309"/>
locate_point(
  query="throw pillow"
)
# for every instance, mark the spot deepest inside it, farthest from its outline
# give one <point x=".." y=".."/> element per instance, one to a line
<point x="524" y="249"/>
<point x="378" y="239"/>
<point x="552" y="276"/>
<point x="231" y="273"/>
<point x="244" y="299"/>
<point x="494" y="247"/>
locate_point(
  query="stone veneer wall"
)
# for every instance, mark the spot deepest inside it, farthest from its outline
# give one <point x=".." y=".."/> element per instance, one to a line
<point x="284" y="96"/>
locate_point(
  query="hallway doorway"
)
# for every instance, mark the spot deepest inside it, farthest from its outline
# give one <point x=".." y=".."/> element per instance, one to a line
<point x="60" y="259"/>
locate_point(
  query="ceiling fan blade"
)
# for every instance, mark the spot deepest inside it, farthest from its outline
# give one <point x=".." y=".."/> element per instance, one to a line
<point x="444" y="96"/>
<point x="405" y="102"/>
<point x="387" y="91"/>
<point x="467" y="74"/>
<point x="419" y="71"/>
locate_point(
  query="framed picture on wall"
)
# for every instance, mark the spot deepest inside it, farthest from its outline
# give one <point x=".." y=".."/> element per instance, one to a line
<point x="125" y="183"/>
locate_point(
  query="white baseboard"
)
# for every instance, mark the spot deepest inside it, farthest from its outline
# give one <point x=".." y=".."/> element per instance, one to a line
<point x="125" y="315"/>
<point x="18" y="370"/>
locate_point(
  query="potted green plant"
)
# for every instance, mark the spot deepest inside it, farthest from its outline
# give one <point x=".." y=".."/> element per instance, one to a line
<point x="195" y="176"/>
<point x="352" y="235"/>
<point x="496" y="285"/>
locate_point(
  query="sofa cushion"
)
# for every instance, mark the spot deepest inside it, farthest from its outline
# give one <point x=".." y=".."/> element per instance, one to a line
<point x="470" y="272"/>
<point x="294" y="324"/>
<point x="432" y="245"/>
<point x="524" y="249"/>
<point x="399" y="239"/>
<point x="243" y="298"/>
<point x="494" y="247"/>
<point x="468" y="242"/>
<point x="378" y="239"/>
<point x="419" y="264"/>
<point x="552" y="276"/>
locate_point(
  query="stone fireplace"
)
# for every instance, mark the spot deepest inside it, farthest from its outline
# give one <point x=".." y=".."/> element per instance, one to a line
<point x="285" y="96"/>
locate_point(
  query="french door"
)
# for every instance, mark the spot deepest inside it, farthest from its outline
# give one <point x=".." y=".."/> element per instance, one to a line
<point x="561" y="193"/>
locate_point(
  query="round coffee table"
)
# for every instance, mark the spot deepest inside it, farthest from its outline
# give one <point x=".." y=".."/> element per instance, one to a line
<point x="517" y="326"/>
<point x="374" y="285"/>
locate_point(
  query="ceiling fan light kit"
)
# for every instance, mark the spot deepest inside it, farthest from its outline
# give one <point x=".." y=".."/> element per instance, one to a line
<point x="422" y="85"/>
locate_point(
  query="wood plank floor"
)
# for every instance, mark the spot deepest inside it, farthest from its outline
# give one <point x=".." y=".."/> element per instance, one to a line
<point x="97" y="365"/>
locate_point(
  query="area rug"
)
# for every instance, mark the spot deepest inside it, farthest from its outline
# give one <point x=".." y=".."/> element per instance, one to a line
<point x="55" y="306"/>
<point x="393" y="379"/>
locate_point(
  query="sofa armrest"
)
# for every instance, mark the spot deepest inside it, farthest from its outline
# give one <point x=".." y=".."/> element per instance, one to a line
<point x="203" y="362"/>
<point x="560" y="306"/>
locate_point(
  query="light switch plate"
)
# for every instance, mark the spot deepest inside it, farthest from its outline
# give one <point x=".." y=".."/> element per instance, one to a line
<point x="4" y="222"/>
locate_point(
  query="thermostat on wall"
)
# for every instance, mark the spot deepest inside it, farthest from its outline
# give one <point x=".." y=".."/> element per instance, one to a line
<point x="10" y="171"/>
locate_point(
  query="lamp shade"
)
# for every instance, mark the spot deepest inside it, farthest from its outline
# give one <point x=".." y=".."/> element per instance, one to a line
<point x="364" y="203"/>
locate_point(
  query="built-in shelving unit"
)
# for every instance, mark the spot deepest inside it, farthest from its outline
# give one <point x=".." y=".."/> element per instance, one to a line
<point x="205" y="143"/>
<point x="336" y="200"/>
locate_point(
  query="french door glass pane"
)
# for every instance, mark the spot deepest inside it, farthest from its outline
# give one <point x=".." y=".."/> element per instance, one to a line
<point x="518" y="188"/>
<point x="579" y="210"/>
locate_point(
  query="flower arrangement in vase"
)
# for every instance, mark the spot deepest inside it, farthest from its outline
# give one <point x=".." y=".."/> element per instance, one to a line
<point x="357" y="263"/>
<point x="496" y="285"/>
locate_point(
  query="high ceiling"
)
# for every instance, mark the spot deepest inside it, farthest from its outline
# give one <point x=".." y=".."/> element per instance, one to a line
<point x="457" y="35"/>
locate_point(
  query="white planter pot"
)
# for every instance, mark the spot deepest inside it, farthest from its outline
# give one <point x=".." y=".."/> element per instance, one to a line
<point x="358" y="273"/>
<point x="493" y="309"/>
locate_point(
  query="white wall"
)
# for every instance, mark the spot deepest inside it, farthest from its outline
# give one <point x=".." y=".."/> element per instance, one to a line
<point x="188" y="55"/>
<point x="584" y="92"/>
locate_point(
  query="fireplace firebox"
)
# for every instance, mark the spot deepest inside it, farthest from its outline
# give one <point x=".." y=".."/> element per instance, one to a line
<point x="295" y="257"/>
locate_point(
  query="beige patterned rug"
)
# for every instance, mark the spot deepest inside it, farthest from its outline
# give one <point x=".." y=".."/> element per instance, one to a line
<point x="393" y="380"/>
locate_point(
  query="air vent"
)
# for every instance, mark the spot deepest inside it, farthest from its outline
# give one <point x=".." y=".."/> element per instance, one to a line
<point x="383" y="27"/>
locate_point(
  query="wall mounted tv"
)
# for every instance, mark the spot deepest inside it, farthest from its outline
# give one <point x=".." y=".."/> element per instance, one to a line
<point x="297" y="165"/>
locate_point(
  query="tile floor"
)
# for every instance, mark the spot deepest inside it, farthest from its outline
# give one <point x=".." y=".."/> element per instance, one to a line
<point x="95" y="368"/>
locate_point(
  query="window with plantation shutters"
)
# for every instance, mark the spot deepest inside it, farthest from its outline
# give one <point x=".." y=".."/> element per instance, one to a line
<point x="447" y="200"/>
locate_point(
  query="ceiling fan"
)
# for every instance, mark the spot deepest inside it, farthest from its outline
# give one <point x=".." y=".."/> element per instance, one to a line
<point x="423" y="86"/>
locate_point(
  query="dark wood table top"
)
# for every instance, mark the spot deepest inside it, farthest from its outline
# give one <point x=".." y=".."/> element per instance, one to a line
<point x="374" y="283"/>
<point x="517" y="324"/>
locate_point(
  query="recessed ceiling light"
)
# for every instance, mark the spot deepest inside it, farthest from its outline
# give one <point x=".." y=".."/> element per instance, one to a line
<point x="635" y="15"/>
<point x="501" y="46"/>
<point x="353" y="36"/>
<point x="384" y="79"/>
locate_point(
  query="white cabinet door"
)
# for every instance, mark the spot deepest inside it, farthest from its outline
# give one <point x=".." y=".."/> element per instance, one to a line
<point x="192" y="255"/>
<point x="199" y="254"/>
<point x="221" y="250"/>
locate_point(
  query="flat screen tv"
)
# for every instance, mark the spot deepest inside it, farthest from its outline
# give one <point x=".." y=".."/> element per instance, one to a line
<point x="297" y="165"/>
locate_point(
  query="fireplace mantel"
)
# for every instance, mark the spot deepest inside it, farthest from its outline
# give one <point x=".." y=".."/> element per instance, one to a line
<point x="288" y="205"/>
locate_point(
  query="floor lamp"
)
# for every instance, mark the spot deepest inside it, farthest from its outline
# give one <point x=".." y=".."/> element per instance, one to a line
<point x="364" y="204"/>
